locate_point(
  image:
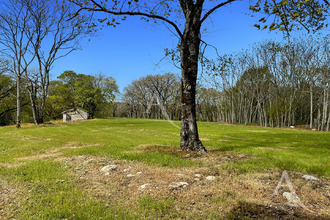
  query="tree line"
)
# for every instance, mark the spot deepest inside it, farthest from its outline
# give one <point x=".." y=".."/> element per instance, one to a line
<point x="271" y="84"/>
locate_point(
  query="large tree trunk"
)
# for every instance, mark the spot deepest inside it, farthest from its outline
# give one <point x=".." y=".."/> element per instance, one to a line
<point x="189" y="67"/>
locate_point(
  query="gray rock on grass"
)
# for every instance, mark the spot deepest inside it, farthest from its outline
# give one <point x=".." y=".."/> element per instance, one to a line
<point x="178" y="185"/>
<point x="109" y="168"/>
<point x="210" y="178"/>
<point x="308" y="177"/>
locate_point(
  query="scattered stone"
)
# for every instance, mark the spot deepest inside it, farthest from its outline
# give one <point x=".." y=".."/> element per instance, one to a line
<point x="211" y="178"/>
<point x="144" y="186"/>
<point x="138" y="173"/>
<point x="196" y="179"/>
<point x="308" y="177"/>
<point x="130" y="175"/>
<point x="198" y="175"/>
<point x="178" y="185"/>
<point x="291" y="197"/>
<point x="291" y="126"/>
<point x="108" y="168"/>
<point x="127" y="169"/>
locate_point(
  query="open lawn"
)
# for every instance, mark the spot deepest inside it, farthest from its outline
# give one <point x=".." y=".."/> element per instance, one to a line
<point x="53" y="171"/>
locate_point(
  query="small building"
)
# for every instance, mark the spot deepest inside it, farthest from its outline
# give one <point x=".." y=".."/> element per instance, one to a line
<point x="74" y="114"/>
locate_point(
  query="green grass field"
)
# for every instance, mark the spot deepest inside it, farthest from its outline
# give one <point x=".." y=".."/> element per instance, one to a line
<point x="52" y="171"/>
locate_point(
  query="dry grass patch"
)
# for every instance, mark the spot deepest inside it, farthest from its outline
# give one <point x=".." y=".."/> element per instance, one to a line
<point x="216" y="157"/>
<point x="228" y="195"/>
<point x="39" y="156"/>
<point x="223" y="140"/>
<point x="56" y="152"/>
<point x="167" y="149"/>
<point x="11" y="197"/>
<point x="258" y="131"/>
<point x="269" y="148"/>
<point x="74" y="145"/>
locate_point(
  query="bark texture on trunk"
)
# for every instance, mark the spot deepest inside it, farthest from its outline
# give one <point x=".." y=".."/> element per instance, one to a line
<point x="189" y="68"/>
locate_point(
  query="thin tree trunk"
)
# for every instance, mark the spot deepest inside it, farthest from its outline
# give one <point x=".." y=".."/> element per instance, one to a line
<point x="311" y="107"/>
<point x="328" y="124"/>
<point x="325" y="108"/>
<point x="18" y="102"/>
<point x="33" y="106"/>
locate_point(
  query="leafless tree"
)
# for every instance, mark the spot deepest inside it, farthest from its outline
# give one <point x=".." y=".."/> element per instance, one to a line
<point x="15" y="21"/>
<point x="54" y="36"/>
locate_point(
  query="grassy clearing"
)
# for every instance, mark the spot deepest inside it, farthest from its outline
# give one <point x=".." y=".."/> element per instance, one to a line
<point x="53" y="171"/>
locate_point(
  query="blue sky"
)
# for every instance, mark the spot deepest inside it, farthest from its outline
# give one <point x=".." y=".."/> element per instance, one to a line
<point x="133" y="48"/>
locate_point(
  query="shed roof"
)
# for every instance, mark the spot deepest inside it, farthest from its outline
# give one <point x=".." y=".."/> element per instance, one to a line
<point x="73" y="109"/>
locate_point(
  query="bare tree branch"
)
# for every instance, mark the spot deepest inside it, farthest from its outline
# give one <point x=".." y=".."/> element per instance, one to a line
<point x="215" y="8"/>
<point x="131" y="13"/>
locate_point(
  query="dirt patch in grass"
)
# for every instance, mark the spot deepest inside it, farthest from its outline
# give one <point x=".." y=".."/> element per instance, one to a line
<point x="223" y="140"/>
<point x="216" y="157"/>
<point x="74" y="145"/>
<point x="32" y="138"/>
<point x="39" y="156"/>
<point x="167" y="149"/>
<point x="258" y="131"/>
<point x="229" y="196"/>
<point x="286" y="147"/>
<point x="247" y="210"/>
<point x="56" y="152"/>
<point x="9" y="165"/>
<point x="269" y="148"/>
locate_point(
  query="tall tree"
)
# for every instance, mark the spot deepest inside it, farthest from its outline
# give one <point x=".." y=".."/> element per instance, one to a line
<point x="186" y="17"/>
<point x="15" y="21"/>
<point x="54" y="36"/>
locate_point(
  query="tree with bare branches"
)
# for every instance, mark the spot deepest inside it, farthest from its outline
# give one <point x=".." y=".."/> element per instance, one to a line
<point x="15" y="21"/>
<point x="54" y="36"/>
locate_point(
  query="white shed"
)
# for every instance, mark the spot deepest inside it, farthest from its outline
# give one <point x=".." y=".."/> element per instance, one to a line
<point x="74" y="114"/>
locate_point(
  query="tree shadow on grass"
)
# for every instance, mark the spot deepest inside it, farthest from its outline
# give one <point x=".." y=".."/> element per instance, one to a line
<point x="246" y="210"/>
